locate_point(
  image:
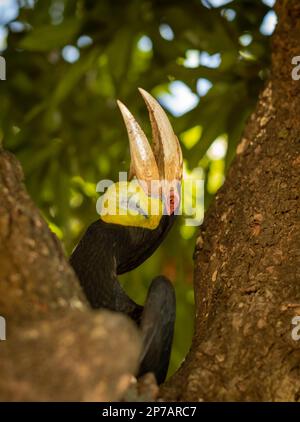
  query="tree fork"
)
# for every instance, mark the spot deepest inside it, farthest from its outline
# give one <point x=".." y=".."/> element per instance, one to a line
<point x="247" y="286"/>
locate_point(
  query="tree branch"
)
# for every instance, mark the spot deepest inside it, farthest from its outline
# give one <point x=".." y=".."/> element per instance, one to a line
<point x="56" y="347"/>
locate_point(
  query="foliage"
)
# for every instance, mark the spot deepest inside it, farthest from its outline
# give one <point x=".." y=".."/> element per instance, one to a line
<point x="68" y="62"/>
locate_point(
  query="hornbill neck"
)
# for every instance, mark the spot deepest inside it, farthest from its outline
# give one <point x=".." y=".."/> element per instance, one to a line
<point x="139" y="243"/>
<point x="107" y="250"/>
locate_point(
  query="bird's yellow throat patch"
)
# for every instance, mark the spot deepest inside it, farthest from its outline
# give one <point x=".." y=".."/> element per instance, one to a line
<point x="127" y="204"/>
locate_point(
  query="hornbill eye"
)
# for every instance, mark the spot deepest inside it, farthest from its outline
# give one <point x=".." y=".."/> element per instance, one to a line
<point x="119" y="242"/>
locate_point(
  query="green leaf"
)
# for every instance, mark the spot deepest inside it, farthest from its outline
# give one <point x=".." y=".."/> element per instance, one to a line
<point x="72" y="76"/>
<point x="48" y="37"/>
<point x="119" y="53"/>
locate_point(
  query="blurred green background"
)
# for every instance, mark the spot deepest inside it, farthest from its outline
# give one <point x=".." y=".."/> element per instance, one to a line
<point x="67" y="63"/>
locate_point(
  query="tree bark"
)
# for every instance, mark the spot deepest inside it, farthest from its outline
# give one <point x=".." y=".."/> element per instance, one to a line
<point x="36" y="279"/>
<point x="247" y="284"/>
<point x="57" y="348"/>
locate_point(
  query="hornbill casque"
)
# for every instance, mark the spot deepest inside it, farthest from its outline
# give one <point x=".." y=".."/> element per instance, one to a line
<point x="119" y="242"/>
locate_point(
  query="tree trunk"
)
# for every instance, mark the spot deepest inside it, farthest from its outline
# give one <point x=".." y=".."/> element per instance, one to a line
<point x="247" y="284"/>
<point x="56" y="348"/>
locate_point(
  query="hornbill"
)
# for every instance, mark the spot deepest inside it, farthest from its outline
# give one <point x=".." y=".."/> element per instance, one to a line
<point x="120" y="241"/>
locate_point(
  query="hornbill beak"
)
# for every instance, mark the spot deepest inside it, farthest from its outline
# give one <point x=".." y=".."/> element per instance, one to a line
<point x="158" y="169"/>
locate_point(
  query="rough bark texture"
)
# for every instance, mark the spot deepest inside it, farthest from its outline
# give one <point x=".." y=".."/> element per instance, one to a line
<point x="56" y="347"/>
<point x="72" y="358"/>
<point x="247" y="263"/>
<point x="36" y="279"/>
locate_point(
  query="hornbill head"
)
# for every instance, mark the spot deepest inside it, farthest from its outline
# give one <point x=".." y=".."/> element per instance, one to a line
<point x="155" y="173"/>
